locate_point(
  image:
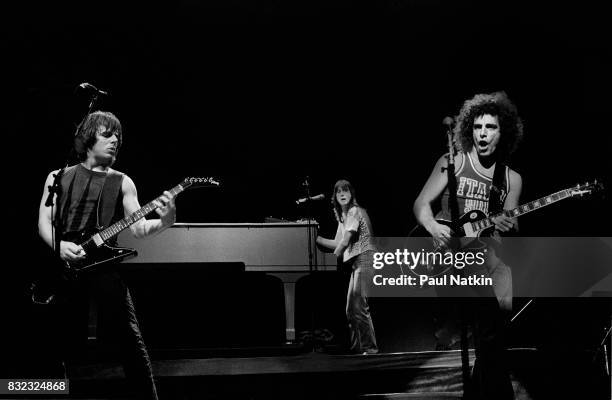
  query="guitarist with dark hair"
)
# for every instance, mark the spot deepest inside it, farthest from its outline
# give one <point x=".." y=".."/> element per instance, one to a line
<point x="94" y="196"/>
<point x="486" y="133"/>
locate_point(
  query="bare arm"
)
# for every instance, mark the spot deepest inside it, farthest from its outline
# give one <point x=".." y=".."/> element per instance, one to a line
<point x="45" y="217"/>
<point x="435" y="184"/>
<point x="143" y="227"/>
<point x="352" y="225"/>
<point x="433" y="188"/>
<point x="69" y="251"/>
<point x="343" y="244"/>
<point x="329" y="244"/>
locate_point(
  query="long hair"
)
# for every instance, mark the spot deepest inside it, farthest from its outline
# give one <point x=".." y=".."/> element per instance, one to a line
<point x="342" y="184"/>
<point x="498" y="105"/>
<point x="86" y="135"/>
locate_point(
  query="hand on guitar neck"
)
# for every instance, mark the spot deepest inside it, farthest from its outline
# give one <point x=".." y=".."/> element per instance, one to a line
<point x="476" y="223"/>
<point x="503" y="223"/>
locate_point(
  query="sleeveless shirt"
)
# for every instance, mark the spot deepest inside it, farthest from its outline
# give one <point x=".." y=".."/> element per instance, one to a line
<point x="473" y="189"/>
<point x="87" y="198"/>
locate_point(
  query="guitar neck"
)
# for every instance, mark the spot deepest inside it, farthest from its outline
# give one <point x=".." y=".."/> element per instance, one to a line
<point x="523" y="209"/>
<point x="148" y="208"/>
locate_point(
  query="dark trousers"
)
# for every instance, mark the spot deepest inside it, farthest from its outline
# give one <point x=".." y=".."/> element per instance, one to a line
<point x="490" y="378"/>
<point x="479" y="307"/>
<point x="121" y="332"/>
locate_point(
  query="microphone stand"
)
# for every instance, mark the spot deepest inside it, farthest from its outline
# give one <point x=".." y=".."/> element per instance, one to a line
<point x="450" y="172"/>
<point x="454" y="216"/>
<point x="53" y="199"/>
<point x="312" y="260"/>
<point x="311" y="265"/>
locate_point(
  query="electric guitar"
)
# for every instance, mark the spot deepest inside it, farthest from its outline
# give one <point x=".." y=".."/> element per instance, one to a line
<point x="475" y="224"/>
<point x="98" y="251"/>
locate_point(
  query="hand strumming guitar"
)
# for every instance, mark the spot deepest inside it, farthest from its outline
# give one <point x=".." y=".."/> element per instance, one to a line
<point x="441" y="233"/>
<point x="70" y="251"/>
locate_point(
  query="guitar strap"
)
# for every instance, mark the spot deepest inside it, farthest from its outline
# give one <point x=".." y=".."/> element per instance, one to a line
<point x="495" y="191"/>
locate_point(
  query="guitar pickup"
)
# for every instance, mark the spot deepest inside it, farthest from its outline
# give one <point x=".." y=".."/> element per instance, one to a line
<point x="97" y="240"/>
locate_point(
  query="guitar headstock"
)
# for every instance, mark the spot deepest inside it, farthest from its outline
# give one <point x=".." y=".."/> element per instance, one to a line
<point x="199" y="181"/>
<point x="586" y="188"/>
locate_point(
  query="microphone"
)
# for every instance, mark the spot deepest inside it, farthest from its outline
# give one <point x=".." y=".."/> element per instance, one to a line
<point x="312" y="198"/>
<point x="89" y="86"/>
<point x="448" y="121"/>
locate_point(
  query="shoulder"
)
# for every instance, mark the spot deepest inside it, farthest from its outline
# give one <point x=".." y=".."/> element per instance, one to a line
<point x="51" y="175"/>
<point x="354" y="211"/>
<point x="515" y="179"/>
<point x="116" y="177"/>
<point x="354" y="214"/>
<point x="359" y="213"/>
<point x="49" y="180"/>
<point x="127" y="185"/>
<point x="459" y="158"/>
<point x="443" y="160"/>
<point x="116" y="172"/>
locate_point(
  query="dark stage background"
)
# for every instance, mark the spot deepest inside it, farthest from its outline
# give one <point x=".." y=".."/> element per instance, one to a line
<point x="262" y="94"/>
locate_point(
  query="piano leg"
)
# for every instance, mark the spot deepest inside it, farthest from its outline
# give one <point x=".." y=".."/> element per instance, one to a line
<point x="289" y="279"/>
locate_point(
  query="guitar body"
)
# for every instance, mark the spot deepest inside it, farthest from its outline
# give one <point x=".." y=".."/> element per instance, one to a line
<point x="463" y="238"/>
<point x="63" y="273"/>
<point x="476" y="224"/>
<point x="96" y="256"/>
<point x="462" y="229"/>
<point x="98" y="253"/>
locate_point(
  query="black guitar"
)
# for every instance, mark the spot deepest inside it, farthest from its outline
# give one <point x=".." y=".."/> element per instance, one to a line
<point x="476" y="224"/>
<point x="98" y="251"/>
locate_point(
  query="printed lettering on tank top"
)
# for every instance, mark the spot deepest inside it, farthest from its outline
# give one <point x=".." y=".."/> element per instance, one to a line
<point x="475" y="194"/>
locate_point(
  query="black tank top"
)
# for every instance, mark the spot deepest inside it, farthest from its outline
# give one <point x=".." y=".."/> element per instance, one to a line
<point x="82" y="203"/>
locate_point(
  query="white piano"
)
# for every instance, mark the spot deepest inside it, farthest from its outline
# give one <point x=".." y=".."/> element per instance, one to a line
<point x="279" y="248"/>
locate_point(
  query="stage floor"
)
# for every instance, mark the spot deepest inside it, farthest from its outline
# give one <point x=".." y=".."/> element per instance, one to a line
<point x="536" y="374"/>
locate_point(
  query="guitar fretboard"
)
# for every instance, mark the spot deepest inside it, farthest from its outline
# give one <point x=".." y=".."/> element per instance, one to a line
<point x="119" y="226"/>
<point x="523" y="209"/>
